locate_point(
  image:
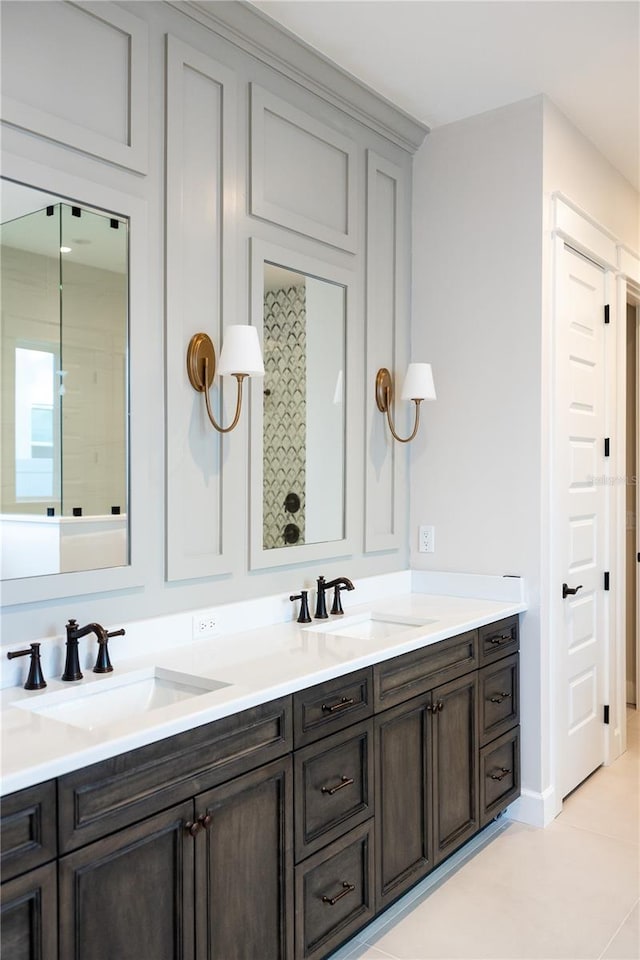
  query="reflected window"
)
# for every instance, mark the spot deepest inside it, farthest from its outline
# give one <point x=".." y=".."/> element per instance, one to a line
<point x="34" y="421"/>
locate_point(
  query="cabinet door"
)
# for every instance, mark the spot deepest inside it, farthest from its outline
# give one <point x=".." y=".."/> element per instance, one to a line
<point x="403" y="799"/>
<point x="454" y="713"/>
<point x="29" y="925"/>
<point x="130" y="895"/>
<point x="28" y="829"/>
<point x="244" y="867"/>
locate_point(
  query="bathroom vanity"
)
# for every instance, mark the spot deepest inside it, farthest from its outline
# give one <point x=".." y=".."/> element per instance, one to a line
<point x="279" y="830"/>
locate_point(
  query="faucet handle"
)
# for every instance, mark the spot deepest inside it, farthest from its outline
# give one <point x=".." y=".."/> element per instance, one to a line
<point x="103" y="663"/>
<point x="303" y="616"/>
<point x="336" y="607"/>
<point x="35" y="679"/>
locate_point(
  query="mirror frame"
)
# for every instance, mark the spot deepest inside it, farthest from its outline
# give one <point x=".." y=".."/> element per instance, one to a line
<point x="90" y="194"/>
<point x="259" y="558"/>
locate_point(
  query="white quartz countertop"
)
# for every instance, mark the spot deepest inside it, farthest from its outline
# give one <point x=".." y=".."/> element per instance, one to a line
<point x="258" y="665"/>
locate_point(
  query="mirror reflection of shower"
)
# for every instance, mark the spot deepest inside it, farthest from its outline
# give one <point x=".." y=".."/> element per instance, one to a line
<point x="303" y="412"/>
<point x="64" y="345"/>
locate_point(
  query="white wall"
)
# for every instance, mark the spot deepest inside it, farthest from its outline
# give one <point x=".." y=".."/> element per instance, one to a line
<point x="573" y="166"/>
<point x="481" y="316"/>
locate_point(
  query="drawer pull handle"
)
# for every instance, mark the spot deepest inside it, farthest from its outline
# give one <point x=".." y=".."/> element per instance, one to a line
<point x="344" y="782"/>
<point x="204" y="820"/>
<point x="436" y="707"/>
<point x="193" y="828"/>
<point x="500" y="776"/>
<point x="347" y="888"/>
<point x="501" y="639"/>
<point x="499" y="698"/>
<point x="340" y="705"/>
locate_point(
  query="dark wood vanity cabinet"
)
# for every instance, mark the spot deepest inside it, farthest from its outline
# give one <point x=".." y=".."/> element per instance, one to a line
<point x="29" y="915"/>
<point x="446" y="754"/>
<point x="212" y="877"/>
<point x="131" y="894"/>
<point x="209" y="877"/>
<point x="28" y="847"/>
<point x="244" y="867"/>
<point x="275" y="833"/>
<point x="426" y="783"/>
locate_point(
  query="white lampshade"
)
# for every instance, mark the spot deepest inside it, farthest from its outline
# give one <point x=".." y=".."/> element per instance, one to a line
<point x="241" y="351"/>
<point x="418" y="383"/>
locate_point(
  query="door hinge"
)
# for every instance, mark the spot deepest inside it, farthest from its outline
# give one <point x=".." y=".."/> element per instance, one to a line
<point x="606" y="313"/>
<point x="606" y="580"/>
<point x="607" y="446"/>
<point x="606" y="713"/>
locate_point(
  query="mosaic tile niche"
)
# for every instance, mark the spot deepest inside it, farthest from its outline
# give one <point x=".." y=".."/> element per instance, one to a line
<point x="285" y="414"/>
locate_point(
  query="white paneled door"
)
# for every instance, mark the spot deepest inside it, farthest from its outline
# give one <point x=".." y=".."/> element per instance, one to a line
<point x="580" y="515"/>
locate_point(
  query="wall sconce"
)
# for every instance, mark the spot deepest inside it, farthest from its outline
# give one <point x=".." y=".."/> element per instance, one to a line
<point x="240" y="357"/>
<point x="417" y="386"/>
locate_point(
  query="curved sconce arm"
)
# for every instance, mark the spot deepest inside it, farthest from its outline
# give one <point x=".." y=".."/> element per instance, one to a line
<point x="240" y="377"/>
<point x="418" y="380"/>
<point x="201" y="368"/>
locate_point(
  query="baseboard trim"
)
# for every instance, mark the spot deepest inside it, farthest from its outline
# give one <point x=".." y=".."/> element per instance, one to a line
<point x="536" y="809"/>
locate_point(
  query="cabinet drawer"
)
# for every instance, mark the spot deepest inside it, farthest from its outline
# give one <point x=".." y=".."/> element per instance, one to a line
<point x="28" y="829"/>
<point x="499" y="639"/>
<point x="333" y="787"/>
<point x="499" y="698"/>
<point x="499" y="775"/>
<point x="414" y="673"/>
<point x="112" y="794"/>
<point x="334" y="894"/>
<point x="334" y="705"/>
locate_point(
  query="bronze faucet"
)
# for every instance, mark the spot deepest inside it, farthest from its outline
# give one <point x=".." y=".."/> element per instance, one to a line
<point x="74" y="633"/>
<point x="340" y="583"/>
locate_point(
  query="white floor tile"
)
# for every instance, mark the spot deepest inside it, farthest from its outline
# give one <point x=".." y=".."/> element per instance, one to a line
<point x="626" y="943"/>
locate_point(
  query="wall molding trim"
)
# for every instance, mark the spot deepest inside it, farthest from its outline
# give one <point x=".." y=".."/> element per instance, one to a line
<point x="127" y="147"/>
<point x="535" y="808"/>
<point x="256" y="34"/>
<point x="583" y="232"/>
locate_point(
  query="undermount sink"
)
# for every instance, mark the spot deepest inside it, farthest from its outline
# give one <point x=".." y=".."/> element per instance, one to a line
<point x="116" y="698"/>
<point x="369" y="626"/>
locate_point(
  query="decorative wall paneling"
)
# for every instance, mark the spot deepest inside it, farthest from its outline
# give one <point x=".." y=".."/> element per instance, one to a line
<point x="200" y="284"/>
<point x="94" y="103"/>
<point x="302" y="172"/>
<point x="387" y="314"/>
<point x="251" y="30"/>
<point x="189" y="498"/>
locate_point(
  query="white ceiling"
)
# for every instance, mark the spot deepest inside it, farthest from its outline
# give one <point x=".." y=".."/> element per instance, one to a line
<point x="443" y="60"/>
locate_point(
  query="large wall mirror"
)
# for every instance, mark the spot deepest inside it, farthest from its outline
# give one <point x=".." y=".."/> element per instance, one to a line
<point x="64" y="479"/>
<point x="299" y="411"/>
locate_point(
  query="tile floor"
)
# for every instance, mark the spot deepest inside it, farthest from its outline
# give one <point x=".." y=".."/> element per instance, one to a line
<point x="570" y="891"/>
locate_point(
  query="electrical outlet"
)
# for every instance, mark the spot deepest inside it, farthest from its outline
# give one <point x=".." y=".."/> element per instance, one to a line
<point x="204" y="625"/>
<point x="427" y="539"/>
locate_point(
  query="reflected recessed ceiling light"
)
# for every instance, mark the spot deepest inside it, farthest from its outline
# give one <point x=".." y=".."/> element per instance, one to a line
<point x="65" y="249"/>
